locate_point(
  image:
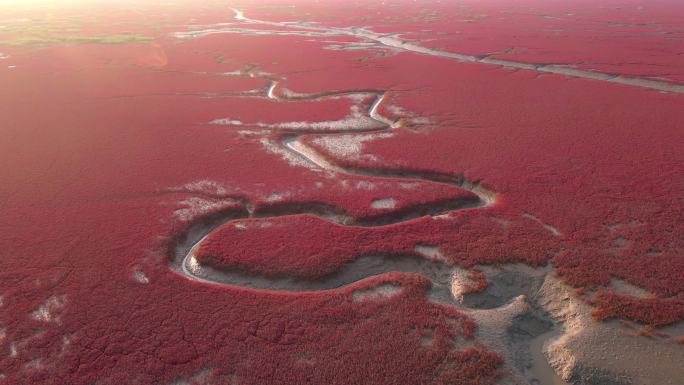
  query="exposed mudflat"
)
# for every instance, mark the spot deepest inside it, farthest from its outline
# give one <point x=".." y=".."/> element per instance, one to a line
<point x="590" y="352"/>
<point x="550" y="338"/>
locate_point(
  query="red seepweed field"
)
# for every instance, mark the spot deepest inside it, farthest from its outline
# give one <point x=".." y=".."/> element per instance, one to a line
<point x="300" y="192"/>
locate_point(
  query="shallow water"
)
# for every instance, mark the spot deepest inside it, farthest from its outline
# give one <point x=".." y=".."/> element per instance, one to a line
<point x="541" y="371"/>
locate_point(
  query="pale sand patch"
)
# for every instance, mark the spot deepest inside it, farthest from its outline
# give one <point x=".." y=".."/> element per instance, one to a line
<point x="310" y="157"/>
<point x="365" y="185"/>
<point x="139" y="276"/>
<point x="254" y="224"/>
<point x="383" y="203"/>
<point x="353" y="122"/>
<point x="254" y="132"/>
<point x="348" y="146"/>
<point x="205" y="186"/>
<point x="291" y="158"/>
<point x="197" y="206"/>
<point x="493" y="323"/>
<point x="276" y="197"/>
<point x="429" y="251"/>
<point x="226" y="122"/>
<point x="380" y="292"/>
<point x="461" y="284"/>
<point x="50" y="309"/>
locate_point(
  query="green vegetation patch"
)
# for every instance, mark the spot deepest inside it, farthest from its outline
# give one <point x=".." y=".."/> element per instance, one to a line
<point x="45" y="40"/>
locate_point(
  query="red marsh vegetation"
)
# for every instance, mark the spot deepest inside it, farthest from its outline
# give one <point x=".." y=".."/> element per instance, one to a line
<point x="121" y="134"/>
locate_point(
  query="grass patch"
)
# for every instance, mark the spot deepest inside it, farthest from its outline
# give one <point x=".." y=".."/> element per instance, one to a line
<point x="105" y="39"/>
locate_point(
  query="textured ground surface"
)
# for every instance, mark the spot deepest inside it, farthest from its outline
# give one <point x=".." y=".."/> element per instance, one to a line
<point x="406" y="192"/>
